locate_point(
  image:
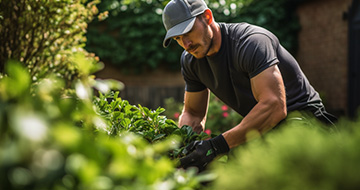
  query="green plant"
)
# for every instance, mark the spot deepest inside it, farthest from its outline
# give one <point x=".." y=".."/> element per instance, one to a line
<point x="131" y="36"/>
<point x="296" y="156"/>
<point x="277" y="16"/>
<point x="43" y="35"/>
<point x="55" y="139"/>
<point x="150" y="124"/>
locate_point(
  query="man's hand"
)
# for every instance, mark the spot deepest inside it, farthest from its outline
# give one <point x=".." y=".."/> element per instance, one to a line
<point x="203" y="152"/>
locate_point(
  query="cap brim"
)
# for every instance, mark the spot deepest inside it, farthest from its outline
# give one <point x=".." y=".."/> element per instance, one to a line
<point x="178" y="30"/>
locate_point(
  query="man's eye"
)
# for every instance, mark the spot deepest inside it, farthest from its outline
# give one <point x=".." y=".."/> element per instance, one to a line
<point x="176" y="38"/>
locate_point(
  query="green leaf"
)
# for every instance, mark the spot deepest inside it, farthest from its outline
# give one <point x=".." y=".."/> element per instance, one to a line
<point x="159" y="136"/>
<point x="160" y="110"/>
<point x="17" y="83"/>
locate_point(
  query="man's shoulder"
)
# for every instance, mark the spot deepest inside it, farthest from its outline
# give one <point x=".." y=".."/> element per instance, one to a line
<point x="234" y="26"/>
<point x="234" y="29"/>
<point x="243" y="30"/>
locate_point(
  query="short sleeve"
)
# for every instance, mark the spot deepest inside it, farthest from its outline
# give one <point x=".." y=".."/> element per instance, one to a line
<point x="257" y="53"/>
<point x="192" y="83"/>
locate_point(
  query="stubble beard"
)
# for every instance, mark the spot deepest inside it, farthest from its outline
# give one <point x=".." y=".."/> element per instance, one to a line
<point x="205" y="47"/>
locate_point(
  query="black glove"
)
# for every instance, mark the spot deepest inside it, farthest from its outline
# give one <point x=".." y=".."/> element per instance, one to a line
<point x="203" y="152"/>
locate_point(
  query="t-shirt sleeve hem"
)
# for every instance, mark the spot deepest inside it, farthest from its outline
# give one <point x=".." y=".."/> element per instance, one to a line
<point x="192" y="89"/>
<point x="265" y="66"/>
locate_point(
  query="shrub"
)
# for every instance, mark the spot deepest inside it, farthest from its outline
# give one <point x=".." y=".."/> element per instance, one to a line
<point x="43" y="35"/>
<point x="131" y="36"/>
<point x="52" y="141"/>
<point x="296" y="156"/>
<point x="55" y="140"/>
<point x="277" y="16"/>
<point x="150" y="124"/>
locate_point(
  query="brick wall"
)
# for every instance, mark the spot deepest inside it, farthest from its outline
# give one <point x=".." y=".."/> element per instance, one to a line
<point x="323" y="49"/>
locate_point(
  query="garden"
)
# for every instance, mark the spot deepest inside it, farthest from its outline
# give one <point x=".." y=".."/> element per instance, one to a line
<point x="62" y="128"/>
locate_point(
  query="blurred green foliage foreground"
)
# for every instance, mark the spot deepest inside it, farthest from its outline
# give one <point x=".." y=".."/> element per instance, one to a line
<point x="56" y="139"/>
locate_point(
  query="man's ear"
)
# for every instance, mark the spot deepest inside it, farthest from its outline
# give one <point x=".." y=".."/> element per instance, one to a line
<point x="208" y="16"/>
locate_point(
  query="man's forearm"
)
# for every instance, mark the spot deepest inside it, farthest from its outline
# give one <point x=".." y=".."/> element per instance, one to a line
<point x="260" y="119"/>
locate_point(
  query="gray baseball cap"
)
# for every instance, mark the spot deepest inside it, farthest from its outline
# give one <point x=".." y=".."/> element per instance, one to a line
<point x="179" y="17"/>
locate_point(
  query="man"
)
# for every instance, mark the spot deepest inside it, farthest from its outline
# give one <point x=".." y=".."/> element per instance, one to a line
<point x="244" y="66"/>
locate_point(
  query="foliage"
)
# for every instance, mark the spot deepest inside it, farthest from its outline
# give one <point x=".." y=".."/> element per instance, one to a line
<point x="125" y="117"/>
<point x="44" y="34"/>
<point x="277" y="16"/>
<point x="296" y="156"/>
<point x="131" y="36"/>
<point x="220" y="117"/>
<point x="51" y="139"/>
<point x="150" y="124"/>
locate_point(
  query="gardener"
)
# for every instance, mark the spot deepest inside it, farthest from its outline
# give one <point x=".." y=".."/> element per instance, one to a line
<point x="244" y="66"/>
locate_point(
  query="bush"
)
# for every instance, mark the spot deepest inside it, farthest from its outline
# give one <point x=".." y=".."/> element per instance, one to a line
<point x="131" y="36"/>
<point x="43" y="35"/>
<point x="296" y="156"/>
<point x="55" y="140"/>
<point x="277" y="16"/>
<point x="52" y="141"/>
<point x="150" y="124"/>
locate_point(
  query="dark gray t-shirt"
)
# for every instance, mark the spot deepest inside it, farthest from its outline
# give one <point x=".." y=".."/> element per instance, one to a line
<point x="246" y="50"/>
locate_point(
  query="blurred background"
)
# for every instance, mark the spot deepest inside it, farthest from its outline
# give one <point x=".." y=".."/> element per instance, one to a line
<point x="323" y="35"/>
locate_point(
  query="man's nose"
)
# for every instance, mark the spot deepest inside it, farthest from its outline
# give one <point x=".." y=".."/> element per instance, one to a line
<point x="186" y="42"/>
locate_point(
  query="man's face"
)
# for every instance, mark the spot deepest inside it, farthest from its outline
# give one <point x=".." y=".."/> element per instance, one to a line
<point x="198" y="40"/>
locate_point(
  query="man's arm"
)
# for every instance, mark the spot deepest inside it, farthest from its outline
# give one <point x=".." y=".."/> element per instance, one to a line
<point x="195" y="109"/>
<point x="269" y="91"/>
